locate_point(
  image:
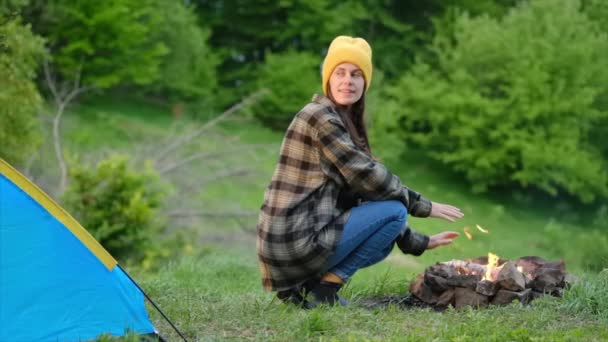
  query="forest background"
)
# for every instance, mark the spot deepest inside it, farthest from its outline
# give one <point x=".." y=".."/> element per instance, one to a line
<point x="157" y="124"/>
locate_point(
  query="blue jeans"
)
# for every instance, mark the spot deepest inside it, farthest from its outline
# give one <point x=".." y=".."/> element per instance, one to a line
<point x="368" y="237"/>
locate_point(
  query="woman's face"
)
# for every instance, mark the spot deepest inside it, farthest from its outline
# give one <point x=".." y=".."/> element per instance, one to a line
<point x="346" y="84"/>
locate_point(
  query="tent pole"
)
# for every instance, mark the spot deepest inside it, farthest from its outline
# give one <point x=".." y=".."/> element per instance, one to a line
<point x="154" y="304"/>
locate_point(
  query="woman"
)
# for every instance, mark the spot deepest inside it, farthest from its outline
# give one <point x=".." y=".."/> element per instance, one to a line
<point x="331" y="208"/>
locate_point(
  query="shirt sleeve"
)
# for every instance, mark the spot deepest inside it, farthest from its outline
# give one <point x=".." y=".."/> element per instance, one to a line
<point x="362" y="173"/>
<point x="412" y="242"/>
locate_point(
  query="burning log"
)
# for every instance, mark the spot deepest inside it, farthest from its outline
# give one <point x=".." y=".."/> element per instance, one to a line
<point x="468" y="297"/>
<point x="462" y="266"/>
<point x="483" y="281"/>
<point x="446" y="298"/>
<point x="423" y="291"/>
<point x="548" y="280"/>
<point x="436" y="283"/>
<point x="509" y="278"/>
<point x="504" y="297"/>
<point x="487" y="287"/>
<point x="464" y="280"/>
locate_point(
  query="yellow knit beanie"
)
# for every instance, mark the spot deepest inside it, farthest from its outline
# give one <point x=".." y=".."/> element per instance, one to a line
<point x="345" y="49"/>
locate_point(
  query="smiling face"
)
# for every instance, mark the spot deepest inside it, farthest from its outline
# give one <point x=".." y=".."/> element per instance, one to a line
<point x="346" y="84"/>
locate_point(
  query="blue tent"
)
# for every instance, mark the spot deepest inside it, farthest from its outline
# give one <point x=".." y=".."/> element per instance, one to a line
<point x="57" y="283"/>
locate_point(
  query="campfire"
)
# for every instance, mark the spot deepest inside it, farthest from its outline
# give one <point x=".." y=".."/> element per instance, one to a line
<point x="489" y="280"/>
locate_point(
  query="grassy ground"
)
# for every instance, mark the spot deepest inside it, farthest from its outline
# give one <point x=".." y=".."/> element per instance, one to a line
<point x="216" y="296"/>
<point x="214" y="293"/>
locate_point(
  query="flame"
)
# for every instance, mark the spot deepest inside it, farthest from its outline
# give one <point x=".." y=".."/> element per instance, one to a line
<point x="485" y="231"/>
<point x="467" y="232"/>
<point x="490" y="271"/>
<point x="492" y="264"/>
<point x="528" y="276"/>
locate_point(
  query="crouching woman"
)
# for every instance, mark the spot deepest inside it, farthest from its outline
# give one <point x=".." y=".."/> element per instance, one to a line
<point x="331" y="208"/>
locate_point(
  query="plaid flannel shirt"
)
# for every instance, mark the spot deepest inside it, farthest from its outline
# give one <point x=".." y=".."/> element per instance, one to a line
<point x="300" y="221"/>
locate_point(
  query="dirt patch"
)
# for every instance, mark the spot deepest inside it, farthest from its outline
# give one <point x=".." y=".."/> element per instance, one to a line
<point x="403" y="302"/>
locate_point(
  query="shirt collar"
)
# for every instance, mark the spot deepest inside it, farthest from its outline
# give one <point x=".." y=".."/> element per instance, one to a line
<point x="323" y="100"/>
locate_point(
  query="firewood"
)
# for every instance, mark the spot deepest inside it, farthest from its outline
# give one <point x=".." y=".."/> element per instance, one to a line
<point x="436" y="283"/>
<point x="442" y="270"/>
<point x="467" y="297"/>
<point x="464" y="280"/>
<point x="447" y="298"/>
<point x="422" y="291"/>
<point x="487" y="287"/>
<point x="459" y="283"/>
<point x="504" y="297"/>
<point x="460" y="264"/>
<point x="548" y="280"/>
<point x="548" y="277"/>
<point x="510" y="278"/>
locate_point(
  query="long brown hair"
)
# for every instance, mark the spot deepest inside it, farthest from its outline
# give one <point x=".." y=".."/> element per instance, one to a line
<point x="354" y="120"/>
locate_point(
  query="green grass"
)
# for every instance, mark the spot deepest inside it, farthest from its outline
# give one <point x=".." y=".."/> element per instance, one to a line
<point x="215" y="294"/>
<point x="110" y="124"/>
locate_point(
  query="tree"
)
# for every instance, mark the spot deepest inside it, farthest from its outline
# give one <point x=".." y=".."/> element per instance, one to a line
<point x="504" y="110"/>
<point x="244" y="32"/>
<point x="292" y="78"/>
<point x="20" y="54"/>
<point x="118" y="205"/>
<point x="270" y="27"/>
<point x="102" y="43"/>
<point x="597" y="10"/>
<point x="8" y="7"/>
<point x="188" y="71"/>
<point x="95" y="46"/>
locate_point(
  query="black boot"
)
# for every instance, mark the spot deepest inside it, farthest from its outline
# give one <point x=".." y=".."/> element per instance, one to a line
<point x="295" y="296"/>
<point x="327" y="293"/>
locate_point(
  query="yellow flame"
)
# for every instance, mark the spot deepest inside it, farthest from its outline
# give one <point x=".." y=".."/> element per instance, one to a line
<point x="481" y="229"/>
<point x="467" y="232"/>
<point x="492" y="264"/>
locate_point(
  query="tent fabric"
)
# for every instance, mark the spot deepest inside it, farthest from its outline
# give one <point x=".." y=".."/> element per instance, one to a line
<point x="54" y="286"/>
<point x="58" y="212"/>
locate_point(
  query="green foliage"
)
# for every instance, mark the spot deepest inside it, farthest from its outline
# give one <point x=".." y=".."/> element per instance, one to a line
<point x="311" y="25"/>
<point x="188" y="70"/>
<point x="20" y="53"/>
<point x="155" y="45"/>
<point x="589" y="296"/>
<point x="597" y="10"/>
<point x="601" y="217"/>
<point x="588" y="248"/>
<point x="503" y="110"/>
<point x="103" y="43"/>
<point x="241" y="37"/>
<point x="292" y="77"/>
<point x="594" y="250"/>
<point x="279" y="27"/>
<point x="395" y="29"/>
<point x="117" y="205"/>
<point x="8" y="7"/>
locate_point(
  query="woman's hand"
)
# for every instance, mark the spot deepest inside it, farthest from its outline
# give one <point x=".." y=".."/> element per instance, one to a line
<point x="443" y="238"/>
<point x="445" y="211"/>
